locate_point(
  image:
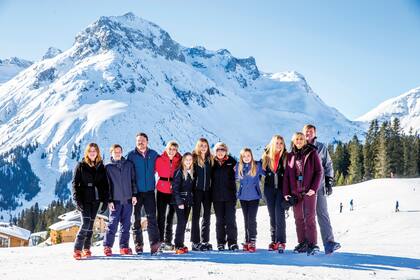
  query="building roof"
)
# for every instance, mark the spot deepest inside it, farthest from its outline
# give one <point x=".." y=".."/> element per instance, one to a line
<point x="14" y="231"/>
<point x="76" y="216"/>
<point x="42" y="234"/>
<point x="70" y="216"/>
<point x="64" y="225"/>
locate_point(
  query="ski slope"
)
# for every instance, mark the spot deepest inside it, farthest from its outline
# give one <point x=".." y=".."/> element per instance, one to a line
<point x="377" y="243"/>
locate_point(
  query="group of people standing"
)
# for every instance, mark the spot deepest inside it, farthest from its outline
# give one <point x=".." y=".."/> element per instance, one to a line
<point x="301" y="178"/>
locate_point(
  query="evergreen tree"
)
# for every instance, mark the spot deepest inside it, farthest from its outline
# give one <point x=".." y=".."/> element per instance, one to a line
<point x="410" y="153"/>
<point x="382" y="163"/>
<point x="370" y="150"/>
<point x="356" y="161"/>
<point x="396" y="158"/>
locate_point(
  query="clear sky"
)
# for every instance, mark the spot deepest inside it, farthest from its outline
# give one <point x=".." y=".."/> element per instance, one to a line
<point x="354" y="54"/>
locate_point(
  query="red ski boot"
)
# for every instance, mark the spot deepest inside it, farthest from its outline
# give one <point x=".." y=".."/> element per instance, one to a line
<point x="77" y="254"/>
<point x="281" y="248"/>
<point x="245" y="246"/>
<point x="107" y="251"/>
<point x="181" y="250"/>
<point x="252" y="247"/>
<point x="86" y="253"/>
<point x="126" y="251"/>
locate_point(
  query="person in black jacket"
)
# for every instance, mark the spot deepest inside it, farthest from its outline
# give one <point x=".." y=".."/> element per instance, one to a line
<point x="273" y="164"/>
<point x="182" y="196"/>
<point x="89" y="188"/>
<point x="223" y="187"/>
<point x="203" y="162"/>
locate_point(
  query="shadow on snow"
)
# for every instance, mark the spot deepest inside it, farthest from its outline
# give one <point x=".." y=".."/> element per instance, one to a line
<point x="263" y="257"/>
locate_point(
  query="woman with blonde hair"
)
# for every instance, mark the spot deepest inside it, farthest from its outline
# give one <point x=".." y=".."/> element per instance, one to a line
<point x="273" y="164"/>
<point x="165" y="167"/>
<point x="223" y="189"/>
<point x="248" y="173"/>
<point x="89" y="189"/>
<point x="203" y="162"/>
<point x="302" y="178"/>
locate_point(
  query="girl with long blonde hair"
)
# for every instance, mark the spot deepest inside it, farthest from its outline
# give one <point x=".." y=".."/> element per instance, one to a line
<point x="273" y="163"/>
<point x="248" y="173"/>
<point x="182" y="199"/>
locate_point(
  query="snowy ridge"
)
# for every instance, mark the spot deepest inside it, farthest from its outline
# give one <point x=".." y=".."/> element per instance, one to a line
<point x="11" y="66"/>
<point x="124" y="75"/>
<point x="406" y="107"/>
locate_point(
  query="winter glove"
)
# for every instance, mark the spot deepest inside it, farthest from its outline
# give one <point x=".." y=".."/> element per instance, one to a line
<point x="329" y="181"/>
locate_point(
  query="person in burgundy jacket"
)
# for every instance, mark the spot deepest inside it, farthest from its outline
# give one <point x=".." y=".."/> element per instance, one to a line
<point x="165" y="167"/>
<point x="301" y="179"/>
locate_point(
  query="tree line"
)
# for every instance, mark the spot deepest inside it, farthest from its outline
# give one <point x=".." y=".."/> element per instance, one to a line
<point x="387" y="152"/>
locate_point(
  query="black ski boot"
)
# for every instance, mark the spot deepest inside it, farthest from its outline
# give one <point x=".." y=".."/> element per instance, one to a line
<point x="301" y="248"/>
<point x="312" y="250"/>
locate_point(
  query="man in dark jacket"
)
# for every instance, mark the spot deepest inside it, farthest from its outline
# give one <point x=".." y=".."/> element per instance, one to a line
<point x="122" y="196"/>
<point x="324" y="190"/>
<point x="144" y="160"/>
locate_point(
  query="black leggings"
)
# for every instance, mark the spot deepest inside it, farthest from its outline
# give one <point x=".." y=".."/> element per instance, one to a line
<point x="201" y="198"/>
<point x="182" y="217"/>
<point x="84" y="236"/>
<point x="165" y="216"/>
<point x="250" y="209"/>
<point x="226" y="229"/>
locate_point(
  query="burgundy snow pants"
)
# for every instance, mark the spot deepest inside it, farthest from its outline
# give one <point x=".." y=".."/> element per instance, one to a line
<point x="304" y="212"/>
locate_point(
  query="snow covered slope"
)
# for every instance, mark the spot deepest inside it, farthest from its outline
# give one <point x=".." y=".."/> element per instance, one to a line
<point x="124" y="75"/>
<point x="377" y="243"/>
<point x="11" y="66"/>
<point x="406" y="107"/>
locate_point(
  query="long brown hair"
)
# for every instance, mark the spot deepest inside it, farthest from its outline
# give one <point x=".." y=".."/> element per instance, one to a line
<point x="253" y="170"/>
<point x="184" y="168"/>
<point x="196" y="154"/>
<point x="98" y="156"/>
<point x="268" y="156"/>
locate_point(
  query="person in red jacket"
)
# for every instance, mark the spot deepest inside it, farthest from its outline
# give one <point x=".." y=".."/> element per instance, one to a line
<point x="166" y="164"/>
<point x="301" y="180"/>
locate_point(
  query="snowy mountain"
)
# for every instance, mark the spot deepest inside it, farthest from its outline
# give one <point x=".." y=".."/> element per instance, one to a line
<point x="11" y="66"/>
<point x="377" y="243"/>
<point x="406" y="107"/>
<point x="51" y="52"/>
<point x="124" y="75"/>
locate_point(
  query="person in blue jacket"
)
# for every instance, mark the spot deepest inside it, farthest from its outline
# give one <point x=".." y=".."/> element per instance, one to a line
<point x="248" y="173"/>
<point x="144" y="160"/>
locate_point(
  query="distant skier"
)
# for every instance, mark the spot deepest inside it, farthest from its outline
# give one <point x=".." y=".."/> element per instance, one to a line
<point x="397" y="206"/>
<point x="341" y="207"/>
<point x="351" y="205"/>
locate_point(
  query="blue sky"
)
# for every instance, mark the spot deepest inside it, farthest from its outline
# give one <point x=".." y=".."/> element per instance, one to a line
<point x="354" y="54"/>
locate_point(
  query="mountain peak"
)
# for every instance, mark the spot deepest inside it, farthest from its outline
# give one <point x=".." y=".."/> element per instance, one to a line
<point x="126" y="32"/>
<point x="406" y="107"/>
<point x="51" y="52"/>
